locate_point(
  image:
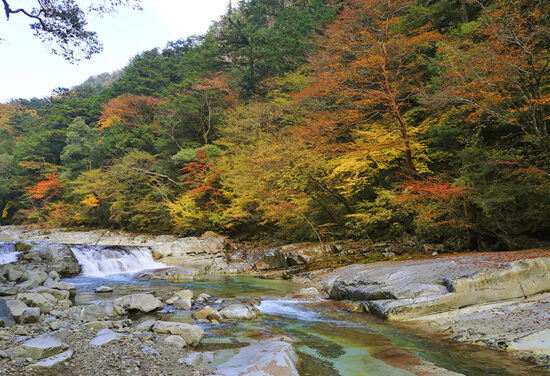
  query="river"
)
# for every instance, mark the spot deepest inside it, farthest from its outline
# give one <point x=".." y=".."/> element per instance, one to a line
<point x="329" y="340"/>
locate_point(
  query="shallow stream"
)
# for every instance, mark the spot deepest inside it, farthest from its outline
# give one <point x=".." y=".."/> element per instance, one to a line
<point x="329" y="340"/>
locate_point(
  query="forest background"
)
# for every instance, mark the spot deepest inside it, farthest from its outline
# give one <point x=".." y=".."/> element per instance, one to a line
<point x="305" y="120"/>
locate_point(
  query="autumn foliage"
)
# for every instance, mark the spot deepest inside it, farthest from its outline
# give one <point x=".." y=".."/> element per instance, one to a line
<point x="307" y="121"/>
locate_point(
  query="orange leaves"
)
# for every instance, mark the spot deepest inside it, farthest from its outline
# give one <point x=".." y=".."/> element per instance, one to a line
<point x="47" y="189"/>
<point x="129" y="110"/>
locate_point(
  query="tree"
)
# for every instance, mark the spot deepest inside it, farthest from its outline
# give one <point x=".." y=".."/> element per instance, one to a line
<point x="510" y="80"/>
<point x="81" y="151"/>
<point x="369" y="69"/>
<point x="64" y="22"/>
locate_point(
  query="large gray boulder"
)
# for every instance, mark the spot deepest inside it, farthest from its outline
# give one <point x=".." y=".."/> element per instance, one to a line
<point x="239" y="311"/>
<point x="6" y="318"/>
<point x="406" y="290"/>
<point x="192" y="334"/>
<point x="140" y="302"/>
<point x="41" y="347"/>
<point x="51" y="257"/>
<point x="266" y="358"/>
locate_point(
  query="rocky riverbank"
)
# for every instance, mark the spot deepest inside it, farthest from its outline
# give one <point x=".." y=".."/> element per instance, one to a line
<point x="497" y="300"/>
<point x="44" y="332"/>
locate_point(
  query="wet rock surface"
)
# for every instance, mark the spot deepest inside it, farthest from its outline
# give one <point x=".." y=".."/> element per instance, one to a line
<point x="493" y="299"/>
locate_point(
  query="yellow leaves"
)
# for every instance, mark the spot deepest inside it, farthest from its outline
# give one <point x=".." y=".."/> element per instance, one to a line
<point x="109" y="121"/>
<point x="90" y="201"/>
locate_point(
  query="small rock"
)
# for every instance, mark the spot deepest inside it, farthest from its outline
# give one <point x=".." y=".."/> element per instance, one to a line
<point x="99" y="325"/>
<point x="202" y="298"/>
<point x="145" y="326"/>
<point x="149" y="350"/>
<point x="104" y="337"/>
<point x="103" y="289"/>
<point x="175" y="341"/>
<point x="55" y="325"/>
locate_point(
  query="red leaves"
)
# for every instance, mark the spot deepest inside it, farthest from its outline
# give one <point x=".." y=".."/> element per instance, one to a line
<point x="200" y="176"/>
<point x="130" y="110"/>
<point x="47" y="189"/>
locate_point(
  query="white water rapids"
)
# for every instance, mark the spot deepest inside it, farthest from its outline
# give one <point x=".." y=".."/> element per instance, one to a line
<point x="102" y="261"/>
<point x="8" y="253"/>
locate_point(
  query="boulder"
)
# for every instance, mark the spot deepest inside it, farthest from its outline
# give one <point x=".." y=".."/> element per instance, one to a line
<point x="202" y="298"/>
<point x="207" y="313"/>
<point x="41" y="347"/>
<point x="53" y="361"/>
<point x="8" y="290"/>
<point x="103" y="289"/>
<point x="184" y="294"/>
<point x="145" y="326"/>
<point x="52" y="257"/>
<point x="27" y="285"/>
<point x="93" y="312"/>
<point x="30" y="316"/>
<point x="6" y="318"/>
<point x="176" y="341"/>
<point x="140" y="302"/>
<point x="272" y="259"/>
<point x="50" y="283"/>
<point x="104" y="337"/>
<point x="184" y="304"/>
<point x="14" y="273"/>
<point x="410" y="289"/>
<point x="33" y="299"/>
<point x="266" y="358"/>
<point x="58" y="294"/>
<point x="192" y="334"/>
<point x="239" y="311"/>
<point x="37" y="276"/>
<point x="16" y="307"/>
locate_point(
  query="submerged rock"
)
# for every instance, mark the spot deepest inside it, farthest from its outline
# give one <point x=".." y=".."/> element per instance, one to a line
<point x="239" y="311"/>
<point x="103" y="289"/>
<point x="266" y="358"/>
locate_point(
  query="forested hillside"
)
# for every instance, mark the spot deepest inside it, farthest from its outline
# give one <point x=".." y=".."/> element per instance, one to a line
<point x="304" y="120"/>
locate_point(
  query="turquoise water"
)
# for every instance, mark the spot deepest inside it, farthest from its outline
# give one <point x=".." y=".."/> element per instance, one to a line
<point x="329" y="340"/>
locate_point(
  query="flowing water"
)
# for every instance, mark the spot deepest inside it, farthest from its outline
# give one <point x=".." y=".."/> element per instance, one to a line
<point x="107" y="261"/>
<point x="329" y="340"/>
<point x="8" y="253"/>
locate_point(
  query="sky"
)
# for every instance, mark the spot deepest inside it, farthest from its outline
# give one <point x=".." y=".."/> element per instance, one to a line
<point x="29" y="70"/>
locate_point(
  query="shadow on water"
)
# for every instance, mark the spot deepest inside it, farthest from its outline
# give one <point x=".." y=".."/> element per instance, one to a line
<point x="329" y="340"/>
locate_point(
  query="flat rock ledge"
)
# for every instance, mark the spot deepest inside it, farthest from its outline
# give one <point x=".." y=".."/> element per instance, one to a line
<point x="494" y="299"/>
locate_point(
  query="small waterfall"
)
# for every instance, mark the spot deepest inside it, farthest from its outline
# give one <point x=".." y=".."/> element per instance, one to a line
<point x="104" y="261"/>
<point x="8" y="253"/>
